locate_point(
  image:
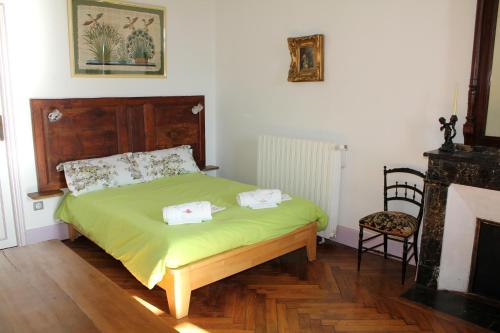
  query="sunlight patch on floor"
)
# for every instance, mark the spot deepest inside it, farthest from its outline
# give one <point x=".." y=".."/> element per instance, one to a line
<point x="184" y="327"/>
<point x="189" y="328"/>
<point x="149" y="306"/>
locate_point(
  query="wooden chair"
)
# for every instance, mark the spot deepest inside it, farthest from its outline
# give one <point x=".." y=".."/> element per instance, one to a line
<point x="393" y="225"/>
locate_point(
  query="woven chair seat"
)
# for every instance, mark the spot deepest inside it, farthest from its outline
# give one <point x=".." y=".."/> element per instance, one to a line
<point x="391" y="223"/>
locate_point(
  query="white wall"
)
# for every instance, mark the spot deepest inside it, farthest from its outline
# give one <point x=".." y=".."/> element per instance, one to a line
<point x="40" y="68"/>
<point x="391" y="67"/>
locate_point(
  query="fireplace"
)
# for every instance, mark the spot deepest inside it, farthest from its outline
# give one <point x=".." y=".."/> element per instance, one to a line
<point x="478" y="170"/>
<point x="458" y="267"/>
<point x="465" y="206"/>
<point x="485" y="268"/>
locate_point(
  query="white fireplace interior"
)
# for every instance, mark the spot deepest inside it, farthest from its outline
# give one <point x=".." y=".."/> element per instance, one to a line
<point x="465" y="205"/>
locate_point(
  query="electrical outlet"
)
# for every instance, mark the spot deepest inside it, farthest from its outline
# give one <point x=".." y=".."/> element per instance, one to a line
<point x="38" y="205"/>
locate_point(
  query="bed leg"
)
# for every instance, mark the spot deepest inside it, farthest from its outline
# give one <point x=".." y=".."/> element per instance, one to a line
<point x="178" y="288"/>
<point x="73" y="234"/>
<point x="311" y="245"/>
<point x="311" y="250"/>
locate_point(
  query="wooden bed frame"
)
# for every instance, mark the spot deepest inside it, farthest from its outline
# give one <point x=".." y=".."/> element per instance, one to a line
<point x="72" y="129"/>
<point x="179" y="282"/>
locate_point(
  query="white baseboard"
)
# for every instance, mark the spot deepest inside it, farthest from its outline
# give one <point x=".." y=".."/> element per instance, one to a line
<point x="56" y="231"/>
<point x="345" y="235"/>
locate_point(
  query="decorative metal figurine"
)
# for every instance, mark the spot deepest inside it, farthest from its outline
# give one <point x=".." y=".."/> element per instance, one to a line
<point x="449" y="133"/>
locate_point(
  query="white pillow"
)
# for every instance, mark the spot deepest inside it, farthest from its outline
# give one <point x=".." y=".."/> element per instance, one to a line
<point x="165" y="162"/>
<point x="84" y="176"/>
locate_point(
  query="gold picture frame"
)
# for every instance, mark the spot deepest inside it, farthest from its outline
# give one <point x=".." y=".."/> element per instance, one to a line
<point x="306" y="58"/>
<point x="110" y="38"/>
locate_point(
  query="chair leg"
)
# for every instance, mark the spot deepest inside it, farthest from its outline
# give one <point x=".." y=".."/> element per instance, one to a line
<point x="415" y="249"/>
<point x="385" y="246"/>
<point x="405" y="259"/>
<point x="360" y="246"/>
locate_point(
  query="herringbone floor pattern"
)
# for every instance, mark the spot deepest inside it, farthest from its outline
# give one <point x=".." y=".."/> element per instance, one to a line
<point x="291" y="295"/>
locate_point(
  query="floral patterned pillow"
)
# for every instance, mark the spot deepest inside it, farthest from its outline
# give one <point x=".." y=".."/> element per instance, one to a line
<point x="165" y="162"/>
<point x="98" y="173"/>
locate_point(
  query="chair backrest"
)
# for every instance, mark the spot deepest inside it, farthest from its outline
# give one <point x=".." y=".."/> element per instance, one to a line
<point x="403" y="191"/>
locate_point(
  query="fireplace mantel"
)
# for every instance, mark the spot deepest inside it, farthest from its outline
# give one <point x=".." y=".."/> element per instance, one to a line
<point x="470" y="166"/>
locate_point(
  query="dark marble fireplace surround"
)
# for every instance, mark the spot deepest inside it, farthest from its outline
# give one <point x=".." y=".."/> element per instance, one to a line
<point x="470" y="166"/>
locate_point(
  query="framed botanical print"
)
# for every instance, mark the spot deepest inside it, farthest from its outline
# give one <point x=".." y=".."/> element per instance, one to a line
<point x="306" y="58"/>
<point x="114" y="38"/>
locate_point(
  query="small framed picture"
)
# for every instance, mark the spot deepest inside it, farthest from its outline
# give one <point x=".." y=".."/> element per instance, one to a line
<point x="306" y="58"/>
<point x="115" y="38"/>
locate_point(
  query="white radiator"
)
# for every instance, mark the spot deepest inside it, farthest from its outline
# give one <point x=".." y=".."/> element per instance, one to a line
<point x="308" y="169"/>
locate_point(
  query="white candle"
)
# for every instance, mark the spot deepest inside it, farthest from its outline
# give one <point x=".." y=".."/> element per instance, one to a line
<point x="454" y="105"/>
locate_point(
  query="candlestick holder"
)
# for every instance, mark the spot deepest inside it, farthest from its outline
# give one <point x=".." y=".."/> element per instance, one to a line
<point x="449" y="133"/>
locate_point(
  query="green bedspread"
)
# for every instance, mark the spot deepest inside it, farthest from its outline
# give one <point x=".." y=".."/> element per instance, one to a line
<point x="127" y="222"/>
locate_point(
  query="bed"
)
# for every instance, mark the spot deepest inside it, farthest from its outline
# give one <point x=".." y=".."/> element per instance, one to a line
<point x="126" y="221"/>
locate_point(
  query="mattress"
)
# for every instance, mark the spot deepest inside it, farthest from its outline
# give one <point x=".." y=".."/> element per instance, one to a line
<point x="127" y="222"/>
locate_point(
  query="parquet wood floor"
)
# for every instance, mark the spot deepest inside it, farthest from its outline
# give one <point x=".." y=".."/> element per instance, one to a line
<point x="290" y="295"/>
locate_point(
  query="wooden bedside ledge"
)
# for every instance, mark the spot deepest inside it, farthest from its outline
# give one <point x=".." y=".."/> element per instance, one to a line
<point x="210" y="168"/>
<point x="45" y="195"/>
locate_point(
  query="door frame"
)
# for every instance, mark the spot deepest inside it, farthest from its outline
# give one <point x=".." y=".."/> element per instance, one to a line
<point x="10" y="134"/>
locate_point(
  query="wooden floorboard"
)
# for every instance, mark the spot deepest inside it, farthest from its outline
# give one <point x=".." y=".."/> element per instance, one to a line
<point x="290" y="295"/>
<point x="47" y="288"/>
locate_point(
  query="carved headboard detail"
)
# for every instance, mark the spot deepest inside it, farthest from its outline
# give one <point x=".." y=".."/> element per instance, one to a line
<point x="81" y="128"/>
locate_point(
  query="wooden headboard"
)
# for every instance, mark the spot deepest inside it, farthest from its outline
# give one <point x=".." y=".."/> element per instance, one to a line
<point x="81" y="128"/>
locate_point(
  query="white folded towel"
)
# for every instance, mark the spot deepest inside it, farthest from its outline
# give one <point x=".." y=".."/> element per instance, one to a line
<point x="284" y="197"/>
<point x="192" y="212"/>
<point x="259" y="198"/>
<point x="264" y="206"/>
